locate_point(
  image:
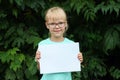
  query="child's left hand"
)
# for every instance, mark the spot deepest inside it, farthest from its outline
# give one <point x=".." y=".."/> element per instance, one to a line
<point x="80" y="57"/>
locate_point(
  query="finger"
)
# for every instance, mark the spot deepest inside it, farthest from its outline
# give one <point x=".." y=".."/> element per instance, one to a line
<point x="37" y="52"/>
<point x="80" y="57"/>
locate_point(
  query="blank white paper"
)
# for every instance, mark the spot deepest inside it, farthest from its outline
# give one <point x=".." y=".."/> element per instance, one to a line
<point x="59" y="58"/>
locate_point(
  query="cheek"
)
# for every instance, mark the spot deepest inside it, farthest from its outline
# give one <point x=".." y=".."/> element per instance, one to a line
<point x="64" y="29"/>
<point x="50" y="30"/>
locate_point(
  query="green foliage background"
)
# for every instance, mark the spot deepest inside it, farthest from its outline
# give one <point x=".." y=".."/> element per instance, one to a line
<point x="93" y="23"/>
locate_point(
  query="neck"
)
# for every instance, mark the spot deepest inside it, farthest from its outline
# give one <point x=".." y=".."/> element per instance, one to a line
<point x="57" y="39"/>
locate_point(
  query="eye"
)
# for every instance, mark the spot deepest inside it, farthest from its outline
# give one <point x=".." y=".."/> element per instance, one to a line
<point x="61" y="22"/>
<point x="51" y="23"/>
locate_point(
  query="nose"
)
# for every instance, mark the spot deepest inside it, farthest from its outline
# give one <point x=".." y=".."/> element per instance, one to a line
<point x="56" y="26"/>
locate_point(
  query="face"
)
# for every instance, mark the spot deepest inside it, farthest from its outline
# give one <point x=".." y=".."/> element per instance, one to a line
<point x="56" y="27"/>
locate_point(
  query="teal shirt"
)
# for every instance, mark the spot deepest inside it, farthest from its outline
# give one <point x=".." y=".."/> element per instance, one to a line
<point x="61" y="75"/>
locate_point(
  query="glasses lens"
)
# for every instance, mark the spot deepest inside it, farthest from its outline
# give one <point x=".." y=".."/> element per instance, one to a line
<point x="52" y="24"/>
<point x="60" y="24"/>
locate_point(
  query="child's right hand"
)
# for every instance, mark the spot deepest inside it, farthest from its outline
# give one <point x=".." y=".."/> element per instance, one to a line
<point x="37" y="56"/>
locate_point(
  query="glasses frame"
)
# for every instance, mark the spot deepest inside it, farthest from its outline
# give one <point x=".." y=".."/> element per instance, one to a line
<point x="53" y="24"/>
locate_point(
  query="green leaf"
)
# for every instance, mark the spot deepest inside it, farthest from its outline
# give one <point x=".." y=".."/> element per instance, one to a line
<point x="20" y="30"/>
<point x="32" y="68"/>
<point x="20" y="74"/>
<point x="89" y="14"/>
<point x="116" y="9"/>
<point x="9" y="32"/>
<point x="115" y="72"/>
<point x="111" y="39"/>
<point x="105" y="9"/>
<point x="15" y="12"/>
<point x="42" y="3"/>
<point x="10" y="75"/>
<point x="4" y="57"/>
<point x="2" y="14"/>
<point x="16" y="64"/>
<point x="19" y="2"/>
<point x="11" y="1"/>
<point x="3" y="25"/>
<point x="21" y="57"/>
<point x="12" y="51"/>
<point x="18" y="42"/>
<point x="117" y="27"/>
<point x="111" y="8"/>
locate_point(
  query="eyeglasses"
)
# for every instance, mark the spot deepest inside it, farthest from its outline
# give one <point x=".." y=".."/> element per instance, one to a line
<point x="60" y="24"/>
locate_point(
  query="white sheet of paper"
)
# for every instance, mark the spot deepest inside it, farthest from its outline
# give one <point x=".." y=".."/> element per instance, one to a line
<point x="59" y="58"/>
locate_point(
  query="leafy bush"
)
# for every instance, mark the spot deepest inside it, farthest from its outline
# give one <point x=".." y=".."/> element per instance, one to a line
<point x="95" y="24"/>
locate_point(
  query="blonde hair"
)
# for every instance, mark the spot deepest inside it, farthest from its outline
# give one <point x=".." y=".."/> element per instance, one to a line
<point x="55" y="13"/>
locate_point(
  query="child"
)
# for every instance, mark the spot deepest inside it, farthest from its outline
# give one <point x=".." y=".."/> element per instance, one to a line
<point x="56" y="23"/>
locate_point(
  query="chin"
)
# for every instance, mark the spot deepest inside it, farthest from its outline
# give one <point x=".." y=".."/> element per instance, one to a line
<point x="57" y="36"/>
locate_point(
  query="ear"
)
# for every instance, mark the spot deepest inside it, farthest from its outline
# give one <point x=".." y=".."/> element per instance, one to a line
<point x="66" y="26"/>
<point x="46" y="25"/>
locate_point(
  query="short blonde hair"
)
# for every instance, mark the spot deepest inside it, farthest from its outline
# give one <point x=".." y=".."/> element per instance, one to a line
<point x="55" y="13"/>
